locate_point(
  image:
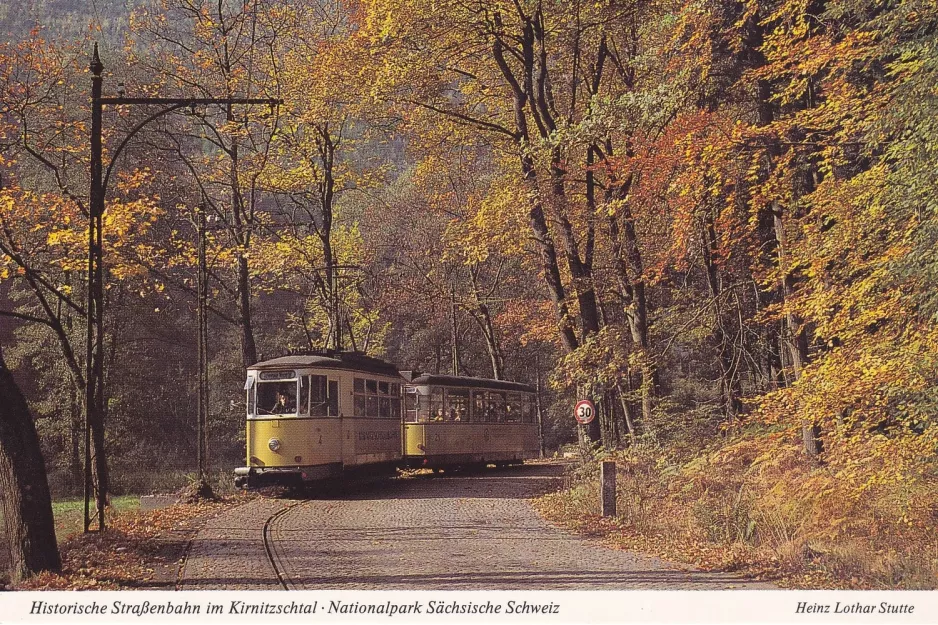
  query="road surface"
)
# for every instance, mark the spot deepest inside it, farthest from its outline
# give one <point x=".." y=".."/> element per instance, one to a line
<point x="463" y="532"/>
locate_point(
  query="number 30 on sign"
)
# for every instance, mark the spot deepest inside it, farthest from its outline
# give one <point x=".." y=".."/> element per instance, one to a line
<point x="584" y="411"/>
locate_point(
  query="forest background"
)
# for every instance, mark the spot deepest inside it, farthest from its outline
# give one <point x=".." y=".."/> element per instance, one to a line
<point x="715" y="218"/>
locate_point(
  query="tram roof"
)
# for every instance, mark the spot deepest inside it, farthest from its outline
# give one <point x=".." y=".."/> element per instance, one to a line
<point x="418" y="378"/>
<point x="350" y="361"/>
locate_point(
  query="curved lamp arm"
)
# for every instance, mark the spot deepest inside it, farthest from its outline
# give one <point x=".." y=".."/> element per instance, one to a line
<point x="130" y="135"/>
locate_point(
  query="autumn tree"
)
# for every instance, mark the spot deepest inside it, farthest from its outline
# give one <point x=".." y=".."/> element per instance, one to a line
<point x="27" y="506"/>
<point x="215" y="50"/>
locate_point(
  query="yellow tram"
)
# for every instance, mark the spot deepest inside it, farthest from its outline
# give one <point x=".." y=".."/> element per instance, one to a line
<point x="457" y="421"/>
<point x="311" y="417"/>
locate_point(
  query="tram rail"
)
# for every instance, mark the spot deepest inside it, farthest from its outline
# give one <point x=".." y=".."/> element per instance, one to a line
<point x="273" y="554"/>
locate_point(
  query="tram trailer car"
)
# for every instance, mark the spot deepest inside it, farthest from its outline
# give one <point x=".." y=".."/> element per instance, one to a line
<point x="320" y="416"/>
<point x="458" y="421"/>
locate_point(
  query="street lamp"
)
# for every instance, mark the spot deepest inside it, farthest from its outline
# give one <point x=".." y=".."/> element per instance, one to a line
<point x="95" y="466"/>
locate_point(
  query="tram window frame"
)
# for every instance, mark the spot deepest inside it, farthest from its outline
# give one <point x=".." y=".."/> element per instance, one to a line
<point x="512" y="408"/>
<point x="360" y="391"/>
<point x="377" y="399"/>
<point x="395" y="389"/>
<point x="461" y="408"/>
<point x="411" y="407"/>
<point x="263" y="385"/>
<point x="496" y="404"/>
<point x="478" y="404"/>
<point x="333" y="397"/>
<point x="319" y="404"/>
<point x="251" y="399"/>
<point x="528" y="408"/>
<point x="437" y="404"/>
<point x="302" y="404"/>
<point x="372" y="406"/>
<point x="423" y="407"/>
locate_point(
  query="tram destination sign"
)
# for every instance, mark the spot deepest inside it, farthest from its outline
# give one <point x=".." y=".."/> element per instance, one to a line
<point x="278" y="375"/>
<point x="584" y="411"/>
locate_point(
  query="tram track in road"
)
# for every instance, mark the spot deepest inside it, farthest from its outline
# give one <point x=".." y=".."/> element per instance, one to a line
<point x="466" y="532"/>
<point x="276" y="556"/>
<point x="269" y="535"/>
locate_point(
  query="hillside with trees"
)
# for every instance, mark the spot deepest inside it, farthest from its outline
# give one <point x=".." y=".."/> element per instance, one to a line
<point x="715" y="219"/>
<point x="106" y="19"/>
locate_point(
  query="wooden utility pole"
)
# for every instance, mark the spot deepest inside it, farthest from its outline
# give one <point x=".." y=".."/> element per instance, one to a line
<point x="537" y="404"/>
<point x="203" y="348"/>
<point x="454" y="329"/>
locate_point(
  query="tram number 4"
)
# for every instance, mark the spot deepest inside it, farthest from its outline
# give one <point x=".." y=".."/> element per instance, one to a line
<point x="584" y="411"/>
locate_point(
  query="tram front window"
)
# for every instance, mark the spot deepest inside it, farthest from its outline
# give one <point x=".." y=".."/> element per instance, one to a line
<point x="276" y="398"/>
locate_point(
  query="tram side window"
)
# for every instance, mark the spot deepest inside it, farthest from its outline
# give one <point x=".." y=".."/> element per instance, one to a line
<point x="457" y="404"/>
<point x="423" y="407"/>
<point x="319" y="396"/>
<point x="333" y="398"/>
<point x="411" y="401"/>
<point x="496" y="403"/>
<point x="359" y="397"/>
<point x="249" y="387"/>
<point x="513" y="408"/>
<point x="384" y="400"/>
<point x="528" y="409"/>
<point x="303" y="405"/>
<point x="276" y="398"/>
<point x="437" y="408"/>
<point x="478" y="406"/>
<point x="377" y="399"/>
<point x="396" y="401"/>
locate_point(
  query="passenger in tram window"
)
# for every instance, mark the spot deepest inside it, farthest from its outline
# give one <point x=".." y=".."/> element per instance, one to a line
<point x="284" y="404"/>
<point x="490" y="412"/>
<point x="438" y="416"/>
<point x="458" y="415"/>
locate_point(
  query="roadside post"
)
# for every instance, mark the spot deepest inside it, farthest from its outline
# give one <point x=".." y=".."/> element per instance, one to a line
<point x="607" y="481"/>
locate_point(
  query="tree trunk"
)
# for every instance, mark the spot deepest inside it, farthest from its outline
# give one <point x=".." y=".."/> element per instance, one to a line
<point x="794" y="335"/>
<point x="730" y="390"/>
<point x="629" y="270"/>
<point x="24" y="488"/>
<point x="483" y="318"/>
<point x="607" y="419"/>
<point x="75" y="479"/>
<point x="621" y="393"/>
<point x="248" y="346"/>
<point x="454" y="330"/>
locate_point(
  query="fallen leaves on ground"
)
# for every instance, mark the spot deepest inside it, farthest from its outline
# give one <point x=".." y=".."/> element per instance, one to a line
<point x="131" y="551"/>
<point x="685" y="550"/>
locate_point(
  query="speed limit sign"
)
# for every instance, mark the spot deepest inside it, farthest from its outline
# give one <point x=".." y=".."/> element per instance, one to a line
<point x="584" y="411"/>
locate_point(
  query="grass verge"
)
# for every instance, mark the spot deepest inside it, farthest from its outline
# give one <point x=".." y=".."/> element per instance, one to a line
<point x="704" y="511"/>
<point x="137" y="550"/>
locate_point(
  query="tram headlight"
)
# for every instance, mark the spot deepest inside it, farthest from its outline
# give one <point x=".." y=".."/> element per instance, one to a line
<point x="274" y="444"/>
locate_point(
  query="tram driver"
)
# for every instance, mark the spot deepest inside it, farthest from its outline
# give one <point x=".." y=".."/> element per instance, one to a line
<point x="284" y="405"/>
